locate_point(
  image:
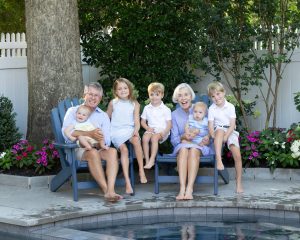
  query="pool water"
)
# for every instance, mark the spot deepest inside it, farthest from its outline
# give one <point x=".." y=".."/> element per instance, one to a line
<point x="203" y="230"/>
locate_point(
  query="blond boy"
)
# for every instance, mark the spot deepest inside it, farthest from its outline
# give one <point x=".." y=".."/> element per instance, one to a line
<point x="221" y="125"/>
<point x="156" y="120"/>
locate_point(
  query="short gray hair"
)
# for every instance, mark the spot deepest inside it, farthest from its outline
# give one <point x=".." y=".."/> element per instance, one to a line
<point x="95" y="85"/>
<point x="178" y="88"/>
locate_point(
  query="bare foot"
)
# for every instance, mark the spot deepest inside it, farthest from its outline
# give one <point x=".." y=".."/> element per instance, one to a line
<point x="220" y="165"/>
<point x="188" y="195"/>
<point x="129" y="189"/>
<point x="239" y="188"/>
<point x="180" y="195"/>
<point x="112" y="197"/>
<point x="149" y="165"/>
<point x="143" y="178"/>
<point x="105" y="147"/>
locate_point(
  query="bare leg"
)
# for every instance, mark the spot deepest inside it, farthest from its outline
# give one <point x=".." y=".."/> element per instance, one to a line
<point x="219" y="135"/>
<point x="146" y="140"/>
<point x="154" y="149"/>
<point x="139" y="156"/>
<point x="84" y="142"/>
<point x="192" y="169"/>
<point x="182" y="159"/>
<point x="103" y="146"/>
<point x="125" y="167"/>
<point x="112" y="166"/>
<point x="238" y="167"/>
<point x="95" y="167"/>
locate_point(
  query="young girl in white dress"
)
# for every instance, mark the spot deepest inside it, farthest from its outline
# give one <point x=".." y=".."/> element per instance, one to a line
<point x="124" y="112"/>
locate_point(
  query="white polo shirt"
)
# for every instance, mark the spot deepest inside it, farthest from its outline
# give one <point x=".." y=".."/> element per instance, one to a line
<point x="156" y="117"/>
<point x="221" y="115"/>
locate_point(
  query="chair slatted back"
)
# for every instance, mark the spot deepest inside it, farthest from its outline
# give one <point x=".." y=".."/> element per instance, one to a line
<point x="57" y="118"/>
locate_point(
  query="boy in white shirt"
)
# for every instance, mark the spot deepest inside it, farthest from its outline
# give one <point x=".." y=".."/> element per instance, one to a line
<point x="156" y="120"/>
<point x="221" y="125"/>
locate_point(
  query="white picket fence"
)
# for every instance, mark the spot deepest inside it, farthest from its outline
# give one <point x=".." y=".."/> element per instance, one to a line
<point x="13" y="75"/>
<point x="14" y="83"/>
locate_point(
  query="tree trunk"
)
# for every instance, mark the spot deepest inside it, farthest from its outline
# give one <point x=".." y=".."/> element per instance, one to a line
<point x="54" y="63"/>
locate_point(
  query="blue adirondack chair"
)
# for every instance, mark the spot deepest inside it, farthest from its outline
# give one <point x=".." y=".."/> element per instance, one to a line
<point x="70" y="166"/>
<point x="208" y="160"/>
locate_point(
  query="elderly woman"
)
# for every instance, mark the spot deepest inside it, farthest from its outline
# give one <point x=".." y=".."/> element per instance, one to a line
<point x="188" y="154"/>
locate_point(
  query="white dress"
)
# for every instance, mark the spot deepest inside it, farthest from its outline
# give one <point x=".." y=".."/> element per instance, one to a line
<point x="122" y="121"/>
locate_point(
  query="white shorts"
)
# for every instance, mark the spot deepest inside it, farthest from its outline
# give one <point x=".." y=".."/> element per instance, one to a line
<point x="159" y="130"/>
<point x="232" y="139"/>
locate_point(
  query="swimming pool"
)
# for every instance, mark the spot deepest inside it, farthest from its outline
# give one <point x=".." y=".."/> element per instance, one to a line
<point x="203" y="230"/>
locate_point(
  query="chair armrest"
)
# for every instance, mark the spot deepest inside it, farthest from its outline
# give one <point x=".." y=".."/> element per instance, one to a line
<point x="65" y="145"/>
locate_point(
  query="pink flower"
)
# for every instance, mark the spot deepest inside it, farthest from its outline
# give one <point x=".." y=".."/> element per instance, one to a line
<point x="255" y="154"/>
<point x="24" y="154"/>
<point x="19" y="158"/>
<point x="30" y="148"/>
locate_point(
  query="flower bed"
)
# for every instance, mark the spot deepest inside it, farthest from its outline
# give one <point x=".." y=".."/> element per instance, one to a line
<point x="272" y="148"/>
<point x="27" y="159"/>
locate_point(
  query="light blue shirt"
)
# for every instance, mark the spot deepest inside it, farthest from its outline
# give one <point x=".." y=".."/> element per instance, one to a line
<point x="98" y="118"/>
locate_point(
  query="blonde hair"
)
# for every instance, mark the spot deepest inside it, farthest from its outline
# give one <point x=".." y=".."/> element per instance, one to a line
<point x="178" y="88"/>
<point x="156" y="87"/>
<point x="215" y="86"/>
<point x="131" y="96"/>
<point x="86" y="108"/>
<point x="200" y="105"/>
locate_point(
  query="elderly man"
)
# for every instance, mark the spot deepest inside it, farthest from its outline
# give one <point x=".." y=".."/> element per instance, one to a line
<point x="93" y="96"/>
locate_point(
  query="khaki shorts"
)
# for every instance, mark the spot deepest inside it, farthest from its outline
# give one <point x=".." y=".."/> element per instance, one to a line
<point x="79" y="153"/>
<point x="232" y="139"/>
<point x="160" y="141"/>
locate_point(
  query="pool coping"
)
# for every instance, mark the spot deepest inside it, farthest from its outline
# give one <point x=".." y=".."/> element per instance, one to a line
<point x="179" y="210"/>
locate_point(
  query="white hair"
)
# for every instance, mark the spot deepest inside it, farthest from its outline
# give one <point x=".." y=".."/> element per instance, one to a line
<point x="178" y="88"/>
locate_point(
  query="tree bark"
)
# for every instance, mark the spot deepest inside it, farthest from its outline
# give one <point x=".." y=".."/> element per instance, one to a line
<point x="54" y="63"/>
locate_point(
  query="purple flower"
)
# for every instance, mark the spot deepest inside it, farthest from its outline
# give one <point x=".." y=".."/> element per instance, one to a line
<point x="255" y="154"/>
<point x="45" y="142"/>
<point x="24" y="142"/>
<point x="51" y="146"/>
<point x="16" y="147"/>
<point x="250" y="157"/>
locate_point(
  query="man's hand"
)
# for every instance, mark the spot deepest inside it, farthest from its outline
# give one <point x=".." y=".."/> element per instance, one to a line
<point x="96" y="134"/>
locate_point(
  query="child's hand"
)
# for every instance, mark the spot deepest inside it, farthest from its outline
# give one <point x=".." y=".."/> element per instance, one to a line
<point x="205" y="141"/>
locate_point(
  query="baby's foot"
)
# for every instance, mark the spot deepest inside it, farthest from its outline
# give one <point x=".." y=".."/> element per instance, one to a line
<point x="105" y="147"/>
<point x="180" y="195"/>
<point x="143" y="178"/>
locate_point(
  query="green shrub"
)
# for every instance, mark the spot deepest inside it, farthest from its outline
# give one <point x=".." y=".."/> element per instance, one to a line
<point x="9" y="133"/>
<point x="144" y="41"/>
